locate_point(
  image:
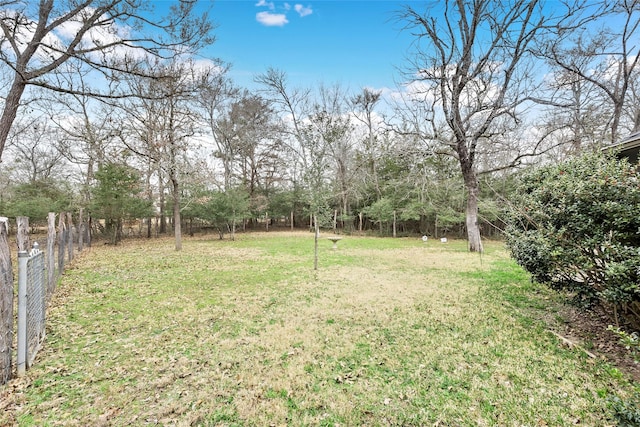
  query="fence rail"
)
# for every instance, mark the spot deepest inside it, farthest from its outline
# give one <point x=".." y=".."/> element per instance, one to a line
<point x="38" y="272"/>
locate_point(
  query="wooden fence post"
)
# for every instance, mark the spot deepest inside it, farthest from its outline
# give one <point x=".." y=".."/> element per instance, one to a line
<point x="88" y="229"/>
<point x="51" y="261"/>
<point x="22" y="236"/>
<point x="394" y="223"/>
<point x="61" y="242"/>
<point x="80" y="231"/>
<point x="6" y="303"/>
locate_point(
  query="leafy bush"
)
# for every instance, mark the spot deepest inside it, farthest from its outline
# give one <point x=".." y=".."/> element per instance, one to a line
<point x="220" y="209"/>
<point x="576" y="227"/>
<point x="626" y="412"/>
<point x="118" y="196"/>
<point x="36" y="200"/>
<point x="630" y="341"/>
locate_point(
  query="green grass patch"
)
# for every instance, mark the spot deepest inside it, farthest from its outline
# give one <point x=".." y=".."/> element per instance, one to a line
<point x="386" y="332"/>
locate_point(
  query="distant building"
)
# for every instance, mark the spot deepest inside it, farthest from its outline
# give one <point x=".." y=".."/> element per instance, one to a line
<point x="628" y="147"/>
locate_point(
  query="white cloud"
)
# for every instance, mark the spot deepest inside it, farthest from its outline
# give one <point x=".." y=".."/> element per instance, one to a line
<point x="272" y="19"/>
<point x="302" y="10"/>
<point x="207" y="65"/>
<point x="265" y="3"/>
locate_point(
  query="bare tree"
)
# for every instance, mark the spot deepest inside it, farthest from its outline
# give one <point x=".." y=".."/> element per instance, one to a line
<point x="575" y="112"/>
<point x="475" y="71"/>
<point x="332" y="123"/>
<point x="364" y="105"/>
<point x="216" y="93"/>
<point x="257" y="141"/>
<point x="294" y="103"/>
<point x="310" y="151"/>
<point x="106" y="36"/>
<point x="35" y="156"/>
<point x="633" y="106"/>
<point x="140" y="129"/>
<point x="601" y="58"/>
<point x="158" y="126"/>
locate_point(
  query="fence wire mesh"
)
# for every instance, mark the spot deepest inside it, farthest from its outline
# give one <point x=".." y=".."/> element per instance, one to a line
<point x="36" y="303"/>
<point x="32" y="300"/>
<point x="35" y="288"/>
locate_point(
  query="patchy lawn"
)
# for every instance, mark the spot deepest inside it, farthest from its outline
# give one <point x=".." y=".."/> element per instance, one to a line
<point x="244" y="333"/>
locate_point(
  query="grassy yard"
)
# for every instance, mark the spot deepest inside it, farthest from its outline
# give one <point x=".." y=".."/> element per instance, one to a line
<point x="244" y="333"/>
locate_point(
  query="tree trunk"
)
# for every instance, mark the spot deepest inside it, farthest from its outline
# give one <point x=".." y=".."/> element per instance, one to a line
<point x="116" y="227"/>
<point x="233" y="228"/>
<point x="394" y="223"/>
<point x="617" y="112"/>
<point x="11" y="105"/>
<point x="177" y="226"/>
<point x="80" y="230"/>
<point x="473" y="229"/>
<point x="161" y="202"/>
<point x="149" y="193"/>
<point x="435" y="227"/>
<point x="89" y="230"/>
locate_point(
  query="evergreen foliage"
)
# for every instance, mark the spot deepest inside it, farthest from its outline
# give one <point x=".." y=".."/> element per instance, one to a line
<point x="222" y="210"/>
<point x="35" y="200"/>
<point x="116" y="197"/>
<point x="576" y="227"/>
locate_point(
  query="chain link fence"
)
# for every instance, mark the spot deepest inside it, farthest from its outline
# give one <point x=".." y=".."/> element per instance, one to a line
<point x="38" y="273"/>
<point x="32" y="305"/>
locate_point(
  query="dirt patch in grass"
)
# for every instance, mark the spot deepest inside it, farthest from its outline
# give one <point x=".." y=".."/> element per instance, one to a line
<point x="588" y="329"/>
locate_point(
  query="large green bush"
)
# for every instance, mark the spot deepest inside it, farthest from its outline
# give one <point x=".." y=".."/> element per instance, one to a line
<point x="35" y="200"/>
<point x="576" y="227"/>
<point x="117" y="196"/>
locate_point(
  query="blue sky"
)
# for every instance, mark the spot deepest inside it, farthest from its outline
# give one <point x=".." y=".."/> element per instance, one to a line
<point x="354" y="43"/>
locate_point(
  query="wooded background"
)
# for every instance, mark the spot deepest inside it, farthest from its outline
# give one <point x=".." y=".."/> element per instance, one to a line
<point x="139" y="130"/>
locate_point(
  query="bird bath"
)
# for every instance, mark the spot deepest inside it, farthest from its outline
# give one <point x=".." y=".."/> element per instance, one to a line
<point x="335" y="240"/>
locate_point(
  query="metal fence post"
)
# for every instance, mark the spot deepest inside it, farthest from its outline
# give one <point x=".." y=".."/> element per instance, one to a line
<point x="23" y="257"/>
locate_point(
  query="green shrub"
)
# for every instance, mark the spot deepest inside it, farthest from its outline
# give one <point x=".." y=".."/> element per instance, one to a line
<point x="625" y="412"/>
<point x="36" y="199"/>
<point x="576" y="227"/>
<point x="117" y="196"/>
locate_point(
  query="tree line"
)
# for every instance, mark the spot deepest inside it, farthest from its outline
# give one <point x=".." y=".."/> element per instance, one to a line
<point x="130" y="125"/>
